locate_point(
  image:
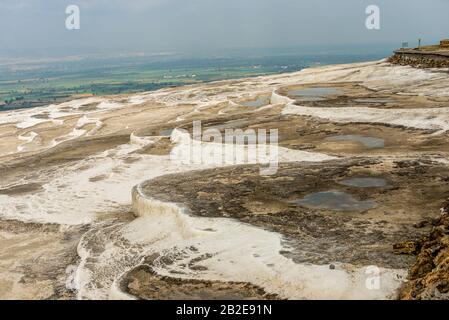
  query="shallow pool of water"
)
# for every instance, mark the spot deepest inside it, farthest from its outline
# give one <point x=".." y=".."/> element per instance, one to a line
<point x="368" y="142"/>
<point x="309" y="99"/>
<point x="374" y="100"/>
<point x="334" y="200"/>
<point x="313" y="94"/>
<point x="259" y="102"/>
<point x="364" y="182"/>
<point x="166" y="133"/>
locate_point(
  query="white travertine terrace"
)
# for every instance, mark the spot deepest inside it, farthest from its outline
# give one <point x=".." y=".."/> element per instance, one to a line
<point x="69" y="197"/>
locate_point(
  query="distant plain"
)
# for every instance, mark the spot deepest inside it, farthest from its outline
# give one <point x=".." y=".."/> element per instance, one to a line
<point x="33" y="83"/>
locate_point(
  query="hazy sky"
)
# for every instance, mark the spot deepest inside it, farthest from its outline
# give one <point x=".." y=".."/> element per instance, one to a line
<point x="28" y="26"/>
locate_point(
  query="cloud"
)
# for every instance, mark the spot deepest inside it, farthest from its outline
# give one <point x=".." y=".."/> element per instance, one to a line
<point x="172" y="25"/>
<point x="8" y="5"/>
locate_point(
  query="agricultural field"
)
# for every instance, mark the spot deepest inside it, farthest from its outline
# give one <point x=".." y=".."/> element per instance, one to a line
<point x="27" y="84"/>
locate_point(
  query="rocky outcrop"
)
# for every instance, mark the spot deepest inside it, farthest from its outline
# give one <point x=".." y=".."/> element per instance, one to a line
<point x="419" y="61"/>
<point x="429" y="276"/>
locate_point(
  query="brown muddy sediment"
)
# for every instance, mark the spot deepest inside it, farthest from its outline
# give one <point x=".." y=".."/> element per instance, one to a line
<point x="144" y="283"/>
<point x="35" y="260"/>
<point x="65" y="153"/>
<point x="313" y="134"/>
<point x="318" y="236"/>
<point x="355" y="94"/>
<point x="21" y="189"/>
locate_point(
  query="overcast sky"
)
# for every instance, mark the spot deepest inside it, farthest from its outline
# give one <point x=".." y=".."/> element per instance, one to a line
<point x="188" y="25"/>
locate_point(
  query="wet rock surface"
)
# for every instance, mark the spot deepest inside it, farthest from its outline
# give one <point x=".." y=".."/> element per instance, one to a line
<point x="338" y="139"/>
<point x="317" y="235"/>
<point x="143" y="283"/>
